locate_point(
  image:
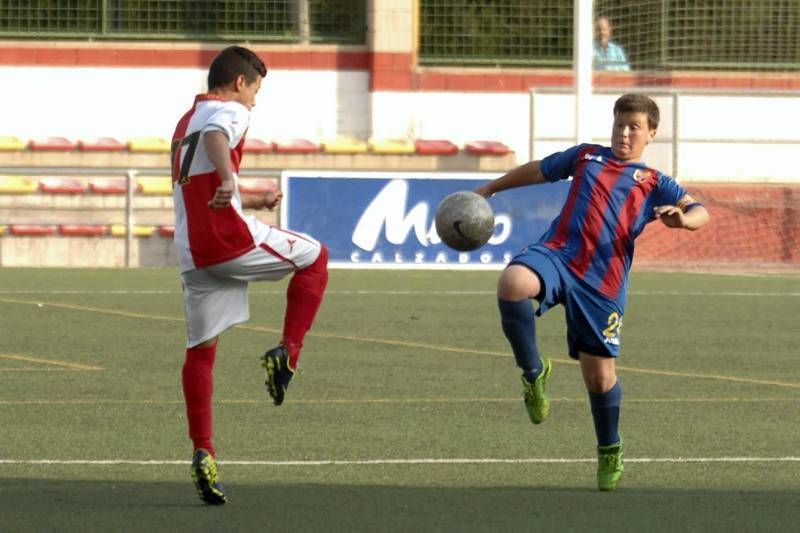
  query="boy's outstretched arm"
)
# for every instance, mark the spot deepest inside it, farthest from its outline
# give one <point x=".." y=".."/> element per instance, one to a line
<point x="691" y="216"/>
<point x="528" y="174"/>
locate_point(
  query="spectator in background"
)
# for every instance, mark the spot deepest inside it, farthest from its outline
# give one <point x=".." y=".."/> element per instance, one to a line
<point x="608" y="55"/>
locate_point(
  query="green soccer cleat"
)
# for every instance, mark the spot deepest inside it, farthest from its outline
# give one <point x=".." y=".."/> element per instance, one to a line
<point x="279" y="372"/>
<point x="609" y="466"/>
<point x="206" y="479"/>
<point x="536" y="401"/>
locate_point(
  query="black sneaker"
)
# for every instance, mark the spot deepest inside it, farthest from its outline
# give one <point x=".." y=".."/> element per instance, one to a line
<point x="279" y="372"/>
<point x="206" y="478"/>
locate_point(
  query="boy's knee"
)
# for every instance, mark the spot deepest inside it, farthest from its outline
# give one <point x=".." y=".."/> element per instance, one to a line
<point x="518" y="283"/>
<point x="320" y="264"/>
<point x="600" y="381"/>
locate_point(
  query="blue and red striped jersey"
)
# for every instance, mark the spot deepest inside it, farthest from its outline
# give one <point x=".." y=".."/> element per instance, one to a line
<point x="608" y="205"/>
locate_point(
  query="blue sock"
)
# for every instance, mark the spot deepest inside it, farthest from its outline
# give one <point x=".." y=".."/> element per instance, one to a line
<point x="605" y="411"/>
<point x="520" y="328"/>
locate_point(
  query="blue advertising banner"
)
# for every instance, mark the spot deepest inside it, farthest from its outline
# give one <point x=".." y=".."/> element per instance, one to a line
<point x="386" y="220"/>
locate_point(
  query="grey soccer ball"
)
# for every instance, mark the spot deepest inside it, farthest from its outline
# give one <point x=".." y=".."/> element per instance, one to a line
<point x="464" y="221"/>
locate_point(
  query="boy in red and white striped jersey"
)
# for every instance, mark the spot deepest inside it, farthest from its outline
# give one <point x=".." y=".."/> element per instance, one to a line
<point x="221" y="249"/>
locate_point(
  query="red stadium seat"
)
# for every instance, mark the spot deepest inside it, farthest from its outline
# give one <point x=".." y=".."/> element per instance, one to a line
<point x="32" y="230"/>
<point x="81" y="230"/>
<point x="435" y="147"/>
<point x="257" y="146"/>
<point x="487" y="148"/>
<point x="257" y="185"/>
<point x="166" y="231"/>
<point x="109" y="186"/>
<point x="102" y="144"/>
<point x="296" y="146"/>
<point x="61" y="185"/>
<point x="53" y="143"/>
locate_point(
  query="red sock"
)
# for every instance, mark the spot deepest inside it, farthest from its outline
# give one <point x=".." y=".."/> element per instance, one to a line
<point x="303" y="298"/>
<point x="198" y="387"/>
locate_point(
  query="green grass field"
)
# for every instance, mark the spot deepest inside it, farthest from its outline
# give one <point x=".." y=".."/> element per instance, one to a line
<point x="406" y="413"/>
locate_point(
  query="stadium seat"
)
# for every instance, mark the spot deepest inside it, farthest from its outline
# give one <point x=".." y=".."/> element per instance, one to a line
<point x="257" y="146"/>
<point x="257" y="185"/>
<point x="18" y="185"/>
<point x="435" y="147"/>
<point x="296" y="146"/>
<point x="61" y="144"/>
<point x="102" y="144"/>
<point x="149" y="144"/>
<point x="166" y="231"/>
<point x="32" y="230"/>
<point x="155" y="184"/>
<point x="10" y="143"/>
<point x="109" y="186"/>
<point x="81" y="230"/>
<point x="391" y="146"/>
<point x="119" y="230"/>
<point x="344" y="145"/>
<point x="487" y="148"/>
<point x="61" y="185"/>
<point x="2" y="229"/>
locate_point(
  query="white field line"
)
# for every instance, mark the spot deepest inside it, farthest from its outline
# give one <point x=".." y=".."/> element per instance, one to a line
<point x="399" y="292"/>
<point x="392" y="401"/>
<point x="420" y="461"/>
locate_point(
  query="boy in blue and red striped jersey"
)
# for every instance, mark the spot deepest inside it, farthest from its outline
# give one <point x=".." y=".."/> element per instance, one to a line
<point x="582" y="262"/>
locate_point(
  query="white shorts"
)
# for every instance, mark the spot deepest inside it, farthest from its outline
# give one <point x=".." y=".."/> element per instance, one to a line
<point x="215" y="297"/>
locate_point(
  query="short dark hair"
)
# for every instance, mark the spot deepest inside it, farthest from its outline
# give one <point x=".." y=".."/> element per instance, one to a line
<point x="638" y="103"/>
<point x="233" y="62"/>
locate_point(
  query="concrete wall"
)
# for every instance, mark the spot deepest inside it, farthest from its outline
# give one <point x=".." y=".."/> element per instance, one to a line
<point x="79" y="102"/>
<point x="720" y="136"/>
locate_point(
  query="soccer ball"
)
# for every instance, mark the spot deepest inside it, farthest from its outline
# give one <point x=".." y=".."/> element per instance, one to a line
<point x="464" y="221"/>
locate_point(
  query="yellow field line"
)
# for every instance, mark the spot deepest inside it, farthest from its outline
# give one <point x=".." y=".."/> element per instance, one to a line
<point x="100" y="310"/>
<point x="407" y="344"/>
<point x="29" y="359"/>
<point x="711" y="376"/>
<point x="342" y="401"/>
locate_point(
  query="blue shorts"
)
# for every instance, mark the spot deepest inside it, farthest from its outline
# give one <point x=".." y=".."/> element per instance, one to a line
<point x="593" y="321"/>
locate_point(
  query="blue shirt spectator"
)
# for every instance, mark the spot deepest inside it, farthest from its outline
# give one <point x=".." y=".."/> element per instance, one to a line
<point x="608" y="55"/>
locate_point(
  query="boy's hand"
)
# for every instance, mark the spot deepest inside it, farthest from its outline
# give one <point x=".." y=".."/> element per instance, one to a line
<point x="272" y="199"/>
<point x="671" y="216"/>
<point x="483" y="190"/>
<point x="222" y="196"/>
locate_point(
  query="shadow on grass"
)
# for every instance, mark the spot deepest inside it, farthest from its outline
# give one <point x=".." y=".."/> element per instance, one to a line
<point x="28" y="505"/>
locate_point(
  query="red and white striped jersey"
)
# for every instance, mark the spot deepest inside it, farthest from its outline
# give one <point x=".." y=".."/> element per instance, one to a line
<point x="206" y="236"/>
